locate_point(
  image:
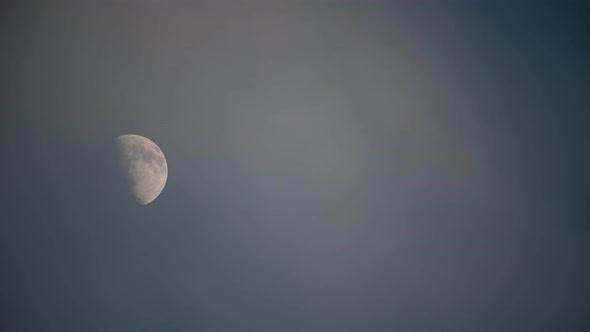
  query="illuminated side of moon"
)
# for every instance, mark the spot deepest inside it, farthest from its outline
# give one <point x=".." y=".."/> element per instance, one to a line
<point x="144" y="166"/>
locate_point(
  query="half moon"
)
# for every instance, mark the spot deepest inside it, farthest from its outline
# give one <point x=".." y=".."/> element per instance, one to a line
<point x="144" y="166"/>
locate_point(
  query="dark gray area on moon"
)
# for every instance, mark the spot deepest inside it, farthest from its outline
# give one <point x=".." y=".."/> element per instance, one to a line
<point x="150" y="155"/>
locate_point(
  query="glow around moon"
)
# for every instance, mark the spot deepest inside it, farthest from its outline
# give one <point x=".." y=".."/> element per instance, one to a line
<point x="144" y="166"/>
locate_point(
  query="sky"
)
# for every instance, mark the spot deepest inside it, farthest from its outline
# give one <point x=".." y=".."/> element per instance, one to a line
<point x="333" y="166"/>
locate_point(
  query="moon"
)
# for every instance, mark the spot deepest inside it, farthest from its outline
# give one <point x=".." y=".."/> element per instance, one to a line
<point x="144" y="166"/>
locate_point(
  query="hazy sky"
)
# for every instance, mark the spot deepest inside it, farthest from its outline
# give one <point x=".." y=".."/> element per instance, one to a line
<point x="333" y="166"/>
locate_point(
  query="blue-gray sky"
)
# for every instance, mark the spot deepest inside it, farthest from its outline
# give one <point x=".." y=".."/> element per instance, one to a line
<point x="333" y="166"/>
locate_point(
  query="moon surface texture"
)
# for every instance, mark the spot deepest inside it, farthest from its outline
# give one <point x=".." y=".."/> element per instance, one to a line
<point x="144" y="166"/>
